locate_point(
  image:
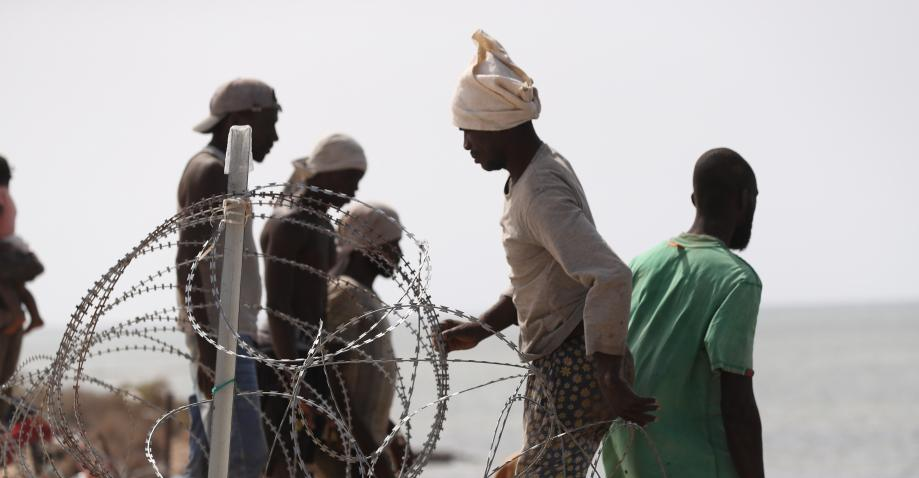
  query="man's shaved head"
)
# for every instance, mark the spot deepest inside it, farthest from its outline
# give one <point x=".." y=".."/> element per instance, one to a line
<point x="724" y="189"/>
<point x="720" y="175"/>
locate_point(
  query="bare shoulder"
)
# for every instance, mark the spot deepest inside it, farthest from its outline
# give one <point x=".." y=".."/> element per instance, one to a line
<point x="205" y="169"/>
<point x="203" y="177"/>
<point x="280" y="236"/>
<point x="292" y="225"/>
<point x="289" y="234"/>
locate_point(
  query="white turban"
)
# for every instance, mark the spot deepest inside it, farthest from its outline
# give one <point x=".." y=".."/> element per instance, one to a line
<point x="365" y="226"/>
<point x="493" y="94"/>
<point x="335" y="152"/>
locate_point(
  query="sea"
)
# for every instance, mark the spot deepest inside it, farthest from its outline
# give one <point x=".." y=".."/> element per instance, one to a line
<point x="837" y="388"/>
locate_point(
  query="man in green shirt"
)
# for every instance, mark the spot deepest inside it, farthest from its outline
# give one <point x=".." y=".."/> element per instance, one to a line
<point x="693" y="315"/>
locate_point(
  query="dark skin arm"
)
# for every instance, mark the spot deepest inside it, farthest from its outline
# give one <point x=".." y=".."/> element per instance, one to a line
<point x="613" y="374"/>
<point x="400" y="448"/>
<point x="279" y="282"/>
<point x="10" y="311"/>
<point x="291" y="291"/>
<point x="742" y="424"/>
<point x="35" y="320"/>
<point x="619" y="399"/>
<point x="463" y="335"/>
<point x="285" y="284"/>
<point x="203" y="180"/>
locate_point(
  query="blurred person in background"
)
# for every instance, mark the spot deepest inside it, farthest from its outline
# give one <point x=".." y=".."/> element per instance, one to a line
<point x="299" y="233"/>
<point x="367" y="249"/>
<point x="18" y="265"/>
<point x="241" y="101"/>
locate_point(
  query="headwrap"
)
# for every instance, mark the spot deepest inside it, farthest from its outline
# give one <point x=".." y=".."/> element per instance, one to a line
<point x="365" y="227"/>
<point x="493" y="94"/>
<point x="335" y="152"/>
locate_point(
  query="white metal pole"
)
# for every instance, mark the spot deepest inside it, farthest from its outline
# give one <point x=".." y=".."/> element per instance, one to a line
<point x="239" y="149"/>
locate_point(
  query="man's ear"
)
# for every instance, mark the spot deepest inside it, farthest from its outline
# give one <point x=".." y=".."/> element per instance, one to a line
<point x="692" y="197"/>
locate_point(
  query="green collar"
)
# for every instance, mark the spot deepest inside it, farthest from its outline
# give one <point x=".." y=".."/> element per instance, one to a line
<point x="697" y="240"/>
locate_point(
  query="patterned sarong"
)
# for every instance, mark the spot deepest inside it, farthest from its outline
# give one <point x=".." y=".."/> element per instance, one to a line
<point x="560" y="395"/>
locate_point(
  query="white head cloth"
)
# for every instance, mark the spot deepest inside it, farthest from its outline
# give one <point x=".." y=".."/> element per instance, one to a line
<point x="493" y="94"/>
<point x="365" y="227"/>
<point x="336" y="152"/>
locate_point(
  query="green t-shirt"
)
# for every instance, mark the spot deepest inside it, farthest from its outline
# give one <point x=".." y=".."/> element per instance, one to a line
<point x="693" y="315"/>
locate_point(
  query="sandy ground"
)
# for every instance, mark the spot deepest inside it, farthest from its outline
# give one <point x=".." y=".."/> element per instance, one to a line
<point x="117" y="428"/>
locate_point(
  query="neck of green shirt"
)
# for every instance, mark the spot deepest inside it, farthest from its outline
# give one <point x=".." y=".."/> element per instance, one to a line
<point x="719" y="229"/>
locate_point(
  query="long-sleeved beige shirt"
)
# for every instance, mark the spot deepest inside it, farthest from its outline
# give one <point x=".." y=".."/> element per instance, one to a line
<point x="562" y="271"/>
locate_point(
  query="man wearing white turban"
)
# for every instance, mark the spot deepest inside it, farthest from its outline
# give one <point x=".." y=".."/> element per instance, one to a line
<point x="569" y="294"/>
<point x="494" y="94"/>
<point x="368" y="248"/>
<point x="299" y="233"/>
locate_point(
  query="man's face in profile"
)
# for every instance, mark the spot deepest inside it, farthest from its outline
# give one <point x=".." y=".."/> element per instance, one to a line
<point x="343" y="181"/>
<point x="264" y="133"/>
<point x="391" y="254"/>
<point x="484" y="148"/>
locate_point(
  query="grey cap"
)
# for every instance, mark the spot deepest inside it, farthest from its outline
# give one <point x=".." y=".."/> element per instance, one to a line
<point x="241" y="94"/>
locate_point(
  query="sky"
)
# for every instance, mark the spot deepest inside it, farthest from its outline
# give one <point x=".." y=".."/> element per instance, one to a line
<point x="98" y="100"/>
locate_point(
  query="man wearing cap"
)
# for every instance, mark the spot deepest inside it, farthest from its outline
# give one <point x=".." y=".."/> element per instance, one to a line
<point x="569" y="292"/>
<point x="300" y="233"/>
<point x="367" y="248"/>
<point x="238" y="102"/>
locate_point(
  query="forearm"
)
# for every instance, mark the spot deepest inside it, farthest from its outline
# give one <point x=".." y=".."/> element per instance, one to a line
<point x="197" y="306"/>
<point x="193" y="289"/>
<point x="190" y="247"/>
<point x="745" y="443"/>
<point x="197" y="309"/>
<point x="29" y="301"/>
<point x="499" y="316"/>
<point x="207" y="354"/>
<point x="608" y="367"/>
<point x="283" y="337"/>
<point x="461" y="335"/>
<point x="742" y="425"/>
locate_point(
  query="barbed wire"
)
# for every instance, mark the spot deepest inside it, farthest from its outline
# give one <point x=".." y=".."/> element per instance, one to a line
<point x="114" y="319"/>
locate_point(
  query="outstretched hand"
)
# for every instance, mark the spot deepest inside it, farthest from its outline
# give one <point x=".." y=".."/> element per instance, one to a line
<point x="461" y="335"/>
<point x="620" y="401"/>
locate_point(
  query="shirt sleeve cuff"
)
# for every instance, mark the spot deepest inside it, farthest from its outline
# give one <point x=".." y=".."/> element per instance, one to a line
<point x="596" y="344"/>
<point x="730" y="368"/>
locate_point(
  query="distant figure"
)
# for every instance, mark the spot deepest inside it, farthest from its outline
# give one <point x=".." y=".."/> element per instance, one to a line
<point x="694" y="308"/>
<point x="368" y="248"/>
<point x="569" y="292"/>
<point x="303" y="236"/>
<point x="18" y="265"/>
<point x="238" y="102"/>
